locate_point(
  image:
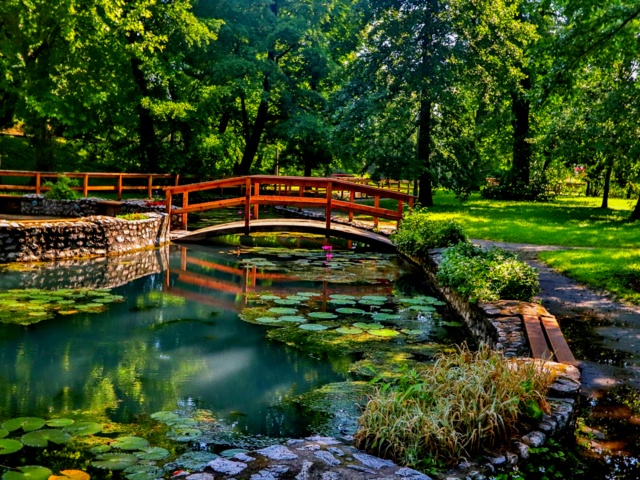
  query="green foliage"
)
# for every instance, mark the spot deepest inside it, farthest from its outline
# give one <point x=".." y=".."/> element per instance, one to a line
<point x="553" y="461"/>
<point x="419" y="232"/>
<point x="132" y="217"/>
<point x="464" y="403"/>
<point x="534" y="191"/>
<point x="487" y="275"/>
<point x="61" y="188"/>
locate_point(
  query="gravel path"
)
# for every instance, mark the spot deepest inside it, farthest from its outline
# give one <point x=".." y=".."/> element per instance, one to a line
<point x="611" y="326"/>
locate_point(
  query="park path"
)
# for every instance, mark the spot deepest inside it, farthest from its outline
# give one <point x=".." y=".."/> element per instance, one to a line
<point x="605" y="332"/>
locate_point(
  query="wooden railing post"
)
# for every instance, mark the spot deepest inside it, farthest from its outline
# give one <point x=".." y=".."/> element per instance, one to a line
<point x="168" y="200"/>
<point x="177" y="182"/>
<point x="328" y="209"/>
<point x="256" y="207"/>
<point x="185" y="204"/>
<point x="119" y="187"/>
<point x="85" y="187"/>
<point x="300" y="194"/>
<point x="377" y="205"/>
<point x="247" y="205"/>
<point x="150" y="186"/>
<point x="352" y="199"/>
<point x="38" y="180"/>
<point x="410" y="203"/>
<point x="400" y="212"/>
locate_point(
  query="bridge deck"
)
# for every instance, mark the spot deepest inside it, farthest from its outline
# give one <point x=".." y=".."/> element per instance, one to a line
<point x="286" y="225"/>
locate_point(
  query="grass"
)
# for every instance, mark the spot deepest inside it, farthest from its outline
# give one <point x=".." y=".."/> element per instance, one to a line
<point x="464" y="404"/>
<point x="614" y="270"/>
<point x="565" y="221"/>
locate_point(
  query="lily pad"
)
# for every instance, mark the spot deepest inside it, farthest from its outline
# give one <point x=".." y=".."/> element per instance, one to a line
<point x="115" y="461"/>
<point x="27" y="424"/>
<point x="41" y="438"/>
<point x="325" y="315"/>
<point x="308" y="294"/>
<point x="422" y="308"/>
<point x="384" y="332"/>
<point x="298" y="298"/>
<point x="152" y="453"/>
<point x="451" y="324"/>
<point x="143" y="472"/>
<point x="83" y="429"/>
<point x="182" y="422"/>
<point x="195" y="460"/>
<point x="3" y="433"/>
<point x="342" y="301"/>
<point x="384" y="316"/>
<point x="375" y="298"/>
<point x="313" y="327"/>
<point x="371" y="303"/>
<point x="130" y="443"/>
<point x="287" y="302"/>
<point x="293" y="318"/>
<point x="412" y="332"/>
<point x="184" y="434"/>
<point x="350" y="310"/>
<point x="59" y="422"/>
<point x="268" y="320"/>
<point x="31" y="472"/>
<point x="344" y="297"/>
<point x="164" y="416"/>
<point x="269" y="297"/>
<point x="349" y="330"/>
<point x="100" y="449"/>
<point x="368" y="326"/>
<point x="9" y="446"/>
<point x="232" y="452"/>
<point x="283" y="311"/>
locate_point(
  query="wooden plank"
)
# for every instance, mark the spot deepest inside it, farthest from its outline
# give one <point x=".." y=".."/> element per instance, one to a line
<point x="352" y="199"/>
<point x="256" y="207"/>
<point x="150" y="187"/>
<point x="38" y="183"/>
<point x="537" y="340"/>
<point x="283" y="200"/>
<point x="366" y="210"/>
<point x="85" y="186"/>
<point x="557" y="341"/>
<point x="227" y="182"/>
<point x="18" y="187"/>
<point x="328" y="208"/>
<point x="119" y="187"/>
<point x="185" y="205"/>
<point x="199" y="207"/>
<point x="376" y="204"/>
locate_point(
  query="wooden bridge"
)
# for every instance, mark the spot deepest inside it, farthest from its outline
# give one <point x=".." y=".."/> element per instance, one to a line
<point x="300" y="192"/>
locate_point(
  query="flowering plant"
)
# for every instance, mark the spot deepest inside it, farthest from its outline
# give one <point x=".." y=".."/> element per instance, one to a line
<point x="155" y="203"/>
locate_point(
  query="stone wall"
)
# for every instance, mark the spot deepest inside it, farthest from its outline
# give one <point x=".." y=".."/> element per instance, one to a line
<point x="91" y="236"/>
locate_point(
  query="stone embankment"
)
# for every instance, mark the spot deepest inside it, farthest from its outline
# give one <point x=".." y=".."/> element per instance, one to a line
<point x="30" y="241"/>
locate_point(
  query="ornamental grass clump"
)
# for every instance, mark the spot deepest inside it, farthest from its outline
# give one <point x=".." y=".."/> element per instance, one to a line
<point x="487" y="275"/>
<point x="464" y="404"/>
<point x="418" y="233"/>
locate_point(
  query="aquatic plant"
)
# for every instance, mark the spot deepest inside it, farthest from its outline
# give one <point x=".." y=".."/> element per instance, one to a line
<point x="31" y="472"/>
<point x="463" y="403"/>
<point x="418" y="233"/>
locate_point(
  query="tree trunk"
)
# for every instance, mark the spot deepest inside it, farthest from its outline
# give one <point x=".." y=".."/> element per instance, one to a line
<point x="253" y="141"/>
<point x="635" y="215"/>
<point x="148" y="144"/>
<point x="521" y="161"/>
<point x="307" y="168"/>
<point x="425" y="197"/>
<point x="607" y="184"/>
<point x="629" y="192"/>
<point x="588" y="191"/>
<point x="42" y="142"/>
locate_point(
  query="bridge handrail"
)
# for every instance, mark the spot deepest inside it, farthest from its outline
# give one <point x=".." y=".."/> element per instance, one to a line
<point x="253" y="197"/>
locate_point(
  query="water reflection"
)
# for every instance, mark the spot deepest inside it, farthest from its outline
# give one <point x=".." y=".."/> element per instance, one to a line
<point x="176" y="341"/>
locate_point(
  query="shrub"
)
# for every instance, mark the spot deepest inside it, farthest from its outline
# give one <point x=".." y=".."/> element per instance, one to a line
<point x="132" y="217"/>
<point x="464" y="403"/>
<point x="61" y="190"/>
<point x="418" y="233"/>
<point x="535" y="191"/>
<point x="487" y="275"/>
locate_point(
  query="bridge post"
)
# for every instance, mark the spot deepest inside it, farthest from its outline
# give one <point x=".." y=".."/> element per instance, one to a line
<point x="256" y="207"/>
<point x="328" y="209"/>
<point x="247" y="205"/>
<point x="377" y="205"/>
<point x="85" y="186"/>
<point x="400" y="212"/>
<point x="119" y="187"/>
<point x="38" y="182"/>
<point x="185" y="204"/>
<point x="150" y="186"/>
<point x="352" y="199"/>
<point x="168" y="204"/>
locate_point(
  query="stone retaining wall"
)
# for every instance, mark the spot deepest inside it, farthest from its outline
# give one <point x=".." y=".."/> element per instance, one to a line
<point x="90" y="236"/>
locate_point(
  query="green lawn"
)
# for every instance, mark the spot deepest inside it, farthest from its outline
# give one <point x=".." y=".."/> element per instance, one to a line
<point x="567" y="221"/>
<point x="614" y="270"/>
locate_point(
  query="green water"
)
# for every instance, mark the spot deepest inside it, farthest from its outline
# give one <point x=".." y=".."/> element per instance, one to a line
<point x="177" y="342"/>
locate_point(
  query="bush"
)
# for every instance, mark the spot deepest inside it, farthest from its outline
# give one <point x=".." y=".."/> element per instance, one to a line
<point x="487" y="275"/>
<point x="132" y="217"/>
<point x="418" y="233"/>
<point x="465" y="403"/>
<point x="61" y="190"/>
<point x="535" y="191"/>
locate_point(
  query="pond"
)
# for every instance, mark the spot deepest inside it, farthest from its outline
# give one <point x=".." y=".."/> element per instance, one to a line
<point x="225" y="338"/>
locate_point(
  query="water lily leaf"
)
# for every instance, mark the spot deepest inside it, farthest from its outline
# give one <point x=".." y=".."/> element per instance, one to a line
<point x="286" y="302"/>
<point x="164" y="416"/>
<point x="71" y="475"/>
<point x="384" y="316"/>
<point x="184" y="434"/>
<point x="83" y="429"/>
<point x="340" y="296"/>
<point x="368" y="326"/>
<point x="375" y="298"/>
<point x="349" y="330"/>
<point x="115" y="461"/>
<point x="308" y="294"/>
<point x="3" y="433"/>
<point x="59" y="422"/>
<point x="195" y="460"/>
<point x="372" y="303"/>
<point x="412" y="332"/>
<point x="152" y="453"/>
<point x="342" y="301"/>
<point x="283" y="311"/>
<point x="451" y="324"/>
<point x="100" y="449"/>
<point x="269" y="297"/>
<point x="41" y="438"/>
<point x="422" y="308"/>
<point x="38" y="314"/>
<point x="293" y="318"/>
<point x="297" y="298"/>
<point x="31" y="472"/>
<point x="313" y="327"/>
<point x="322" y="315"/>
<point x="9" y="446"/>
<point x="130" y="443"/>
<point x="232" y="452"/>
<point x="143" y="472"/>
<point x="268" y="320"/>
<point x="350" y="310"/>
<point x="384" y="332"/>
<point x="27" y="424"/>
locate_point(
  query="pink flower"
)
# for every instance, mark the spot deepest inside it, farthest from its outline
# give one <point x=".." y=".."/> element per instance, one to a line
<point x="240" y="213"/>
<point x="327" y="247"/>
<point x="329" y="255"/>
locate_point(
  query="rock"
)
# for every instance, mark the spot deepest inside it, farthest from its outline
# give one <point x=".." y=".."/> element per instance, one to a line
<point x="242" y="457"/>
<point x="373" y="462"/>
<point x="263" y="475"/>
<point x="324" y="440"/>
<point x="412" y="474"/>
<point x="310" y="447"/>
<point x="534" y="439"/>
<point x="361" y="469"/>
<point x="277" y="452"/>
<point x="227" y="467"/>
<point x="592" y="431"/>
<point x="200" y="476"/>
<point x="327" y="458"/>
<point x="295" y="442"/>
<point x="336" y="451"/>
<point x="330" y="476"/>
<point x="277" y="470"/>
<point x="498" y="460"/>
<point x="304" y="473"/>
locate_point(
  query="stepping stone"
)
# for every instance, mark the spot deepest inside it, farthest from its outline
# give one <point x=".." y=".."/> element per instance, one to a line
<point x="200" y="476"/>
<point x="327" y="458"/>
<point x="227" y="467"/>
<point x="277" y="452"/>
<point x="336" y="451"/>
<point x="330" y="476"/>
<point x="304" y="473"/>
<point x="373" y="462"/>
<point x="411" y="474"/>
<point x="324" y="440"/>
<point x="242" y="457"/>
<point x="361" y="469"/>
